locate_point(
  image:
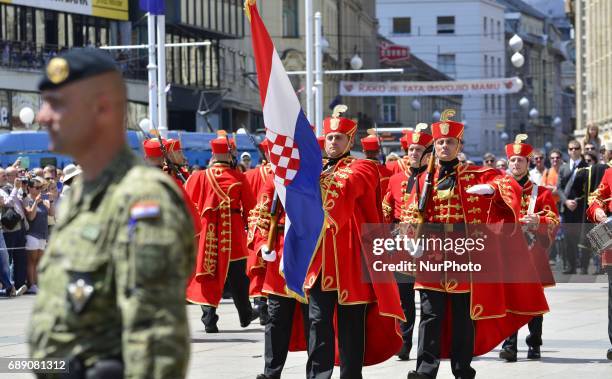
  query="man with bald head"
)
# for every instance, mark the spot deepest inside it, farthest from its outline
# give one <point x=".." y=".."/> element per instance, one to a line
<point x="111" y="298"/>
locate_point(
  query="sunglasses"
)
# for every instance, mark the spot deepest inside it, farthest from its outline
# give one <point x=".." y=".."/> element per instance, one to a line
<point x="589" y="148"/>
<point x="555" y="158"/>
<point x="573" y="148"/>
<point x="538" y="158"/>
<point x="490" y="160"/>
<point x="588" y="160"/>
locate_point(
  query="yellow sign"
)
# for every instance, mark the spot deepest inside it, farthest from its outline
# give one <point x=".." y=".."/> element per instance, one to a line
<point x="113" y="9"/>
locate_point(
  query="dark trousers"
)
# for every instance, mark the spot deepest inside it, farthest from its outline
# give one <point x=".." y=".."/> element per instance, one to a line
<point x="534" y="339"/>
<point x="278" y="333"/>
<point x="239" y="288"/>
<point x="609" y="270"/>
<point x="15" y="243"/>
<point x="406" y="292"/>
<point x="433" y="309"/>
<point x="321" y="341"/>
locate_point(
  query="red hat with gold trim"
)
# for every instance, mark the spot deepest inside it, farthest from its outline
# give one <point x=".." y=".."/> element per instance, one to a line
<point x="172" y="145"/>
<point x="152" y="149"/>
<point x="447" y="128"/>
<point x="321" y="141"/>
<point x="337" y="124"/>
<point x="221" y="144"/>
<point x="371" y="142"/>
<point x="519" y="148"/>
<point x="417" y="136"/>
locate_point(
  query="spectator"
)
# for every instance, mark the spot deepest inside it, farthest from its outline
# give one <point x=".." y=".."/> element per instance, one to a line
<point x="537" y="173"/>
<point x="11" y="175"/>
<point x="392" y="157"/>
<point x="592" y="136"/>
<point x="502" y="165"/>
<point x="49" y="172"/>
<point x="462" y="158"/>
<point x="570" y="188"/>
<point x="50" y="189"/>
<point x="38" y="172"/>
<point x="70" y="172"/>
<point x="488" y="160"/>
<point x="608" y="153"/>
<point x="15" y="236"/>
<point x="37" y="209"/>
<point x="549" y="180"/>
<point x="245" y="159"/>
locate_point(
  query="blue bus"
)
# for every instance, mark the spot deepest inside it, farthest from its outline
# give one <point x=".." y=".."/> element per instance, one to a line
<point x="33" y="148"/>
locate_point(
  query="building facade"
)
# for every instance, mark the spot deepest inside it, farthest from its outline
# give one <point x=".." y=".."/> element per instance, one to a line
<point x="463" y="39"/>
<point x="593" y="36"/>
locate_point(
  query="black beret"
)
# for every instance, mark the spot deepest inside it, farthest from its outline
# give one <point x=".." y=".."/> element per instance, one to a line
<point x="75" y="64"/>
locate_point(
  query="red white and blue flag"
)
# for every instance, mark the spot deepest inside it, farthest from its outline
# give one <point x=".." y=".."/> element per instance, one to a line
<point x="295" y="156"/>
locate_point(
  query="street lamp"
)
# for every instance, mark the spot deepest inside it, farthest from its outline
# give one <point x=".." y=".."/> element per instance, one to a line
<point x="416" y="105"/>
<point x="504" y="136"/>
<point x="516" y="43"/>
<point x="145" y="125"/>
<point x="436" y="116"/>
<point x="356" y="62"/>
<point x="517" y="59"/>
<point x="26" y="116"/>
<point x="524" y="102"/>
<point x="533" y="113"/>
<point x="556" y="121"/>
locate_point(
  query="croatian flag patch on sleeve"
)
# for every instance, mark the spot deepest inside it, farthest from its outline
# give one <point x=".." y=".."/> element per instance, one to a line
<point x="145" y="210"/>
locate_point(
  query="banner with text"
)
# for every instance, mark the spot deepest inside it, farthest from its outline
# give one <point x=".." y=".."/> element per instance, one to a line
<point x="115" y="9"/>
<point x="498" y="86"/>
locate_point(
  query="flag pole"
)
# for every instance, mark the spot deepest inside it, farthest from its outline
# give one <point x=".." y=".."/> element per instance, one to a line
<point x="161" y="75"/>
<point x="152" y="70"/>
<point x="318" y="74"/>
<point x="308" y="49"/>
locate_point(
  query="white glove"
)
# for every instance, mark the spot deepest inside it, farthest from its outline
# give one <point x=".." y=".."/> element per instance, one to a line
<point x="267" y="255"/>
<point x="481" y="189"/>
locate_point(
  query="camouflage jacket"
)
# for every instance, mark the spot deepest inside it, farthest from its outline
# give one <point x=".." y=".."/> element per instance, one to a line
<point x="112" y="280"/>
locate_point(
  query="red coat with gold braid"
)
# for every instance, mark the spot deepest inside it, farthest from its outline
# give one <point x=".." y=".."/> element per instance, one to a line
<point x="385" y="174"/>
<point x="398" y="205"/>
<point x="399" y="165"/>
<point x="602" y="199"/>
<point x="546" y="209"/>
<point x="498" y="309"/>
<point x="256" y="270"/>
<point x="224" y="199"/>
<point x="351" y="197"/>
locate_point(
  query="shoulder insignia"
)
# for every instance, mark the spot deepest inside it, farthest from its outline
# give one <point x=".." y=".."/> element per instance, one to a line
<point x="145" y="210"/>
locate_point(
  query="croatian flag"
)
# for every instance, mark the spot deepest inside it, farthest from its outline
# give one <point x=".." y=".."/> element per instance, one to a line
<point x="295" y="156"/>
<point x="152" y="6"/>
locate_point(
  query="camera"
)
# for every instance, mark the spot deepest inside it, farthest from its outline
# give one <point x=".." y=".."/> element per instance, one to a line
<point x="24" y="179"/>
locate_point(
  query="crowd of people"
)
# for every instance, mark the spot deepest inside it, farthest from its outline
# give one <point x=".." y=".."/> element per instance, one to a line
<point x="28" y="199"/>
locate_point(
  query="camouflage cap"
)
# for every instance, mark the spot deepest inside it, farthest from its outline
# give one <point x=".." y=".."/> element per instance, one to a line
<point x="76" y="64"/>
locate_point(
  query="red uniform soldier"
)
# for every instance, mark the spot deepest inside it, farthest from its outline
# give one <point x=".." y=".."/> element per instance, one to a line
<point x="537" y="208"/>
<point x="600" y="207"/>
<point x="400" y="207"/>
<point x="365" y="312"/>
<point x="469" y="316"/>
<point x="403" y="163"/>
<point x="224" y="199"/>
<point x="371" y="148"/>
<point x="288" y="318"/>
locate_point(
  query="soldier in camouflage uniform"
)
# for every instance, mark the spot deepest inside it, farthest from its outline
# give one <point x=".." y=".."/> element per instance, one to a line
<point x="112" y="281"/>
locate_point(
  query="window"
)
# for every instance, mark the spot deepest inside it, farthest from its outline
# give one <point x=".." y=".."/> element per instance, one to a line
<point x="499" y="103"/>
<point x="493" y="67"/>
<point x="499" y="68"/>
<point x="484" y="27"/>
<point x="290" y="18"/>
<point x="493" y="103"/>
<point x="446" y="25"/>
<point x="486" y="103"/>
<point x="389" y="109"/>
<point x="486" y="66"/>
<point x="446" y="64"/>
<point x="486" y="140"/>
<point x="492" y="34"/>
<point x="401" y="25"/>
<point x="499" y="31"/>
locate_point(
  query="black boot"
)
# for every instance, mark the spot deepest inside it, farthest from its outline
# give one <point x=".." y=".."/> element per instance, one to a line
<point x="264" y="316"/>
<point x="247" y="322"/>
<point x="534" y="352"/>
<point x="404" y="353"/>
<point x="609" y="355"/>
<point x="417" y="375"/>
<point x="508" y="355"/>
